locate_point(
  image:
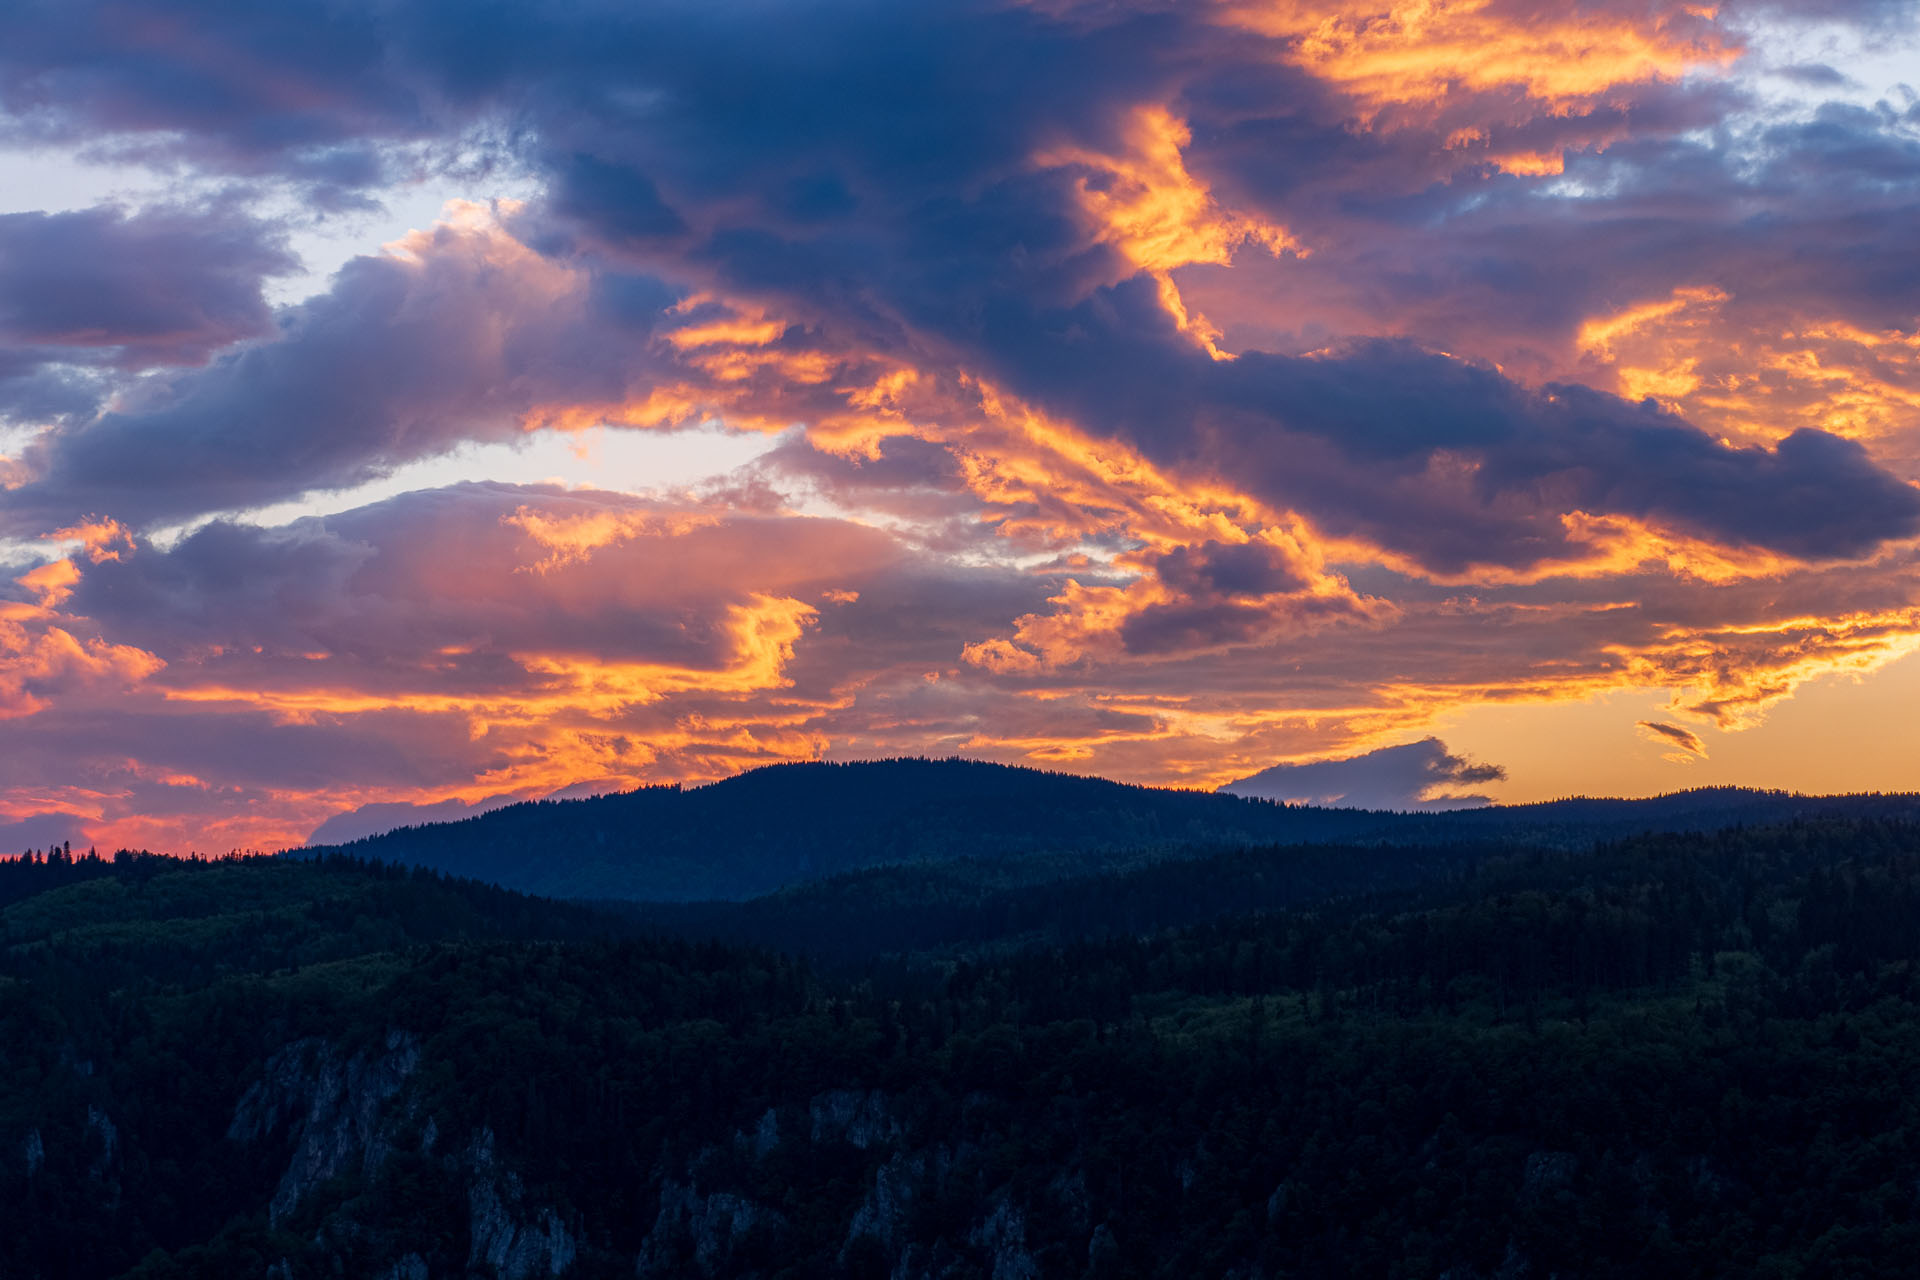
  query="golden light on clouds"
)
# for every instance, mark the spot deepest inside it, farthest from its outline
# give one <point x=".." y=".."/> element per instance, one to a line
<point x="1152" y="210"/>
<point x="1425" y="51"/>
<point x="1263" y="381"/>
<point x="1145" y="203"/>
<point x="1757" y="377"/>
<point x="571" y="539"/>
<point x="37" y="664"/>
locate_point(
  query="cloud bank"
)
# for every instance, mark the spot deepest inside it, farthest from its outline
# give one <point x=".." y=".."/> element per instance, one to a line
<point x="1155" y="390"/>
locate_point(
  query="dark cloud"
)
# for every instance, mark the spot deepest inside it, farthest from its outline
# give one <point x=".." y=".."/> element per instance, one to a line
<point x="403" y="358"/>
<point x="1674" y="735"/>
<point x="1805" y="214"/>
<point x="156" y="287"/>
<point x="1816" y="75"/>
<point x="36" y="390"/>
<point x="303" y="91"/>
<point x="1403" y="777"/>
<point x="874" y="169"/>
<point x="1232" y="593"/>
<point x="1230" y="569"/>
<point x="622" y="203"/>
<point x="1206" y="624"/>
<point x="1369" y="441"/>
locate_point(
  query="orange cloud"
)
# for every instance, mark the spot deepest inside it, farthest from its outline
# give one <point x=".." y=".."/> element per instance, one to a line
<point x="53" y="582"/>
<point x="38" y="664"/>
<point x="100" y="537"/>
<point x="1005" y="580"/>
<point x="1145" y="203"/>
<point x="1130" y="668"/>
<point x="570" y="539"/>
<point x="763" y="632"/>
<point x="1758" y="377"/>
<point x="1423" y="52"/>
<point x="1150" y="619"/>
<point x="1733" y="674"/>
<point x="760" y="638"/>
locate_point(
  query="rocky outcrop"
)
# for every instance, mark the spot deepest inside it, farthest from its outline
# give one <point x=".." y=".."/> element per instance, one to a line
<point x="1003" y="1235"/>
<point x="863" y="1119"/>
<point x="342" y="1115"/>
<point x="517" y="1244"/>
<point x="104" y="1137"/>
<point x="708" y="1225"/>
<point x="100" y="1139"/>
<point x="708" y="1231"/>
<point x="1103" y="1254"/>
<point x="883" y="1214"/>
<point x="331" y="1105"/>
<point x="346" y="1115"/>
<point x="411" y="1267"/>
<point x="764" y="1138"/>
<point x="1547" y="1173"/>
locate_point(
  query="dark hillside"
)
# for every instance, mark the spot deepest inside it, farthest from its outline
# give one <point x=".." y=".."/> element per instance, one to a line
<point x="864" y="917"/>
<point x="788" y="824"/>
<point x="1688" y="1055"/>
<point x="784" y="824"/>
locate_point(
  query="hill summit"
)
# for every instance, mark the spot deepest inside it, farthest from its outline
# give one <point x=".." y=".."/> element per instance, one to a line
<point x="790" y="823"/>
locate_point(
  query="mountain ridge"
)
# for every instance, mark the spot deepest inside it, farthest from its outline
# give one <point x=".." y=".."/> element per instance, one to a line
<point x="787" y="824"/>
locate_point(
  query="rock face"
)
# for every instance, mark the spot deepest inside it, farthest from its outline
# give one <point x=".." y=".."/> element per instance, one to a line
<point x="1004" y="1236"/>
<point x="334" y="1106"/>
<point x="101" y="1138"/>
<point x="710" y="1223"/>
<point x="515" y="1244"/>
<point x="897" y="1186"/>
<point x="411" y="1267"/>
<point x="848" y="1115"/>
<point x="349" y="1115"/>
<point x="708" y="1231"/>
<point x="764" y="1138"/>
<point x="105" y="1135"/>
<point x="345" y="1114"/>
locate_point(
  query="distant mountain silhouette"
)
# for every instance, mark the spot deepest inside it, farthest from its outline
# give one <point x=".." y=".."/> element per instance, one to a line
<point x="788" y="824"/>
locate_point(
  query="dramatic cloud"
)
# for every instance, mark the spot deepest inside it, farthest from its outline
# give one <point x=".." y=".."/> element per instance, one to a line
<point x="1157" y="390"/>
<point x="454" y="337"/>
<point x="443" y="640"/>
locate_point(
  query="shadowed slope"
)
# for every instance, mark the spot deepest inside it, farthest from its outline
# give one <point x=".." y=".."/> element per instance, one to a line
<point x="788" y="824"/>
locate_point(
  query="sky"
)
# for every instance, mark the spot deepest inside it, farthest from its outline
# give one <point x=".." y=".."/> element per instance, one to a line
<point x="410" y="407"/>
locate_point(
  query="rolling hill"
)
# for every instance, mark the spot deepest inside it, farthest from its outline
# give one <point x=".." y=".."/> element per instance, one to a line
<point x="794" y="823"/>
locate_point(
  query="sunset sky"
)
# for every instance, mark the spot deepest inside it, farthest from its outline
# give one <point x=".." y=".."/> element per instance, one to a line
<point x="407" y="403"/>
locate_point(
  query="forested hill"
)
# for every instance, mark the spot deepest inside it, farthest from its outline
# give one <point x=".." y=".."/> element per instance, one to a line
<point x="783" y="824"/>
<point x="787" y="824"/>
<point x="1679" y="1055"/>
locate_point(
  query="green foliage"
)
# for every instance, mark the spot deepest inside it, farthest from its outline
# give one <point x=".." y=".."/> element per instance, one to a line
<point x="1687" y="1055"/>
